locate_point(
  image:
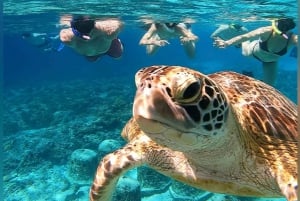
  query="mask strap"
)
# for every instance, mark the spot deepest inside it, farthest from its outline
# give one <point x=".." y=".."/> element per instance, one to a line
<point x="277" y="30"/>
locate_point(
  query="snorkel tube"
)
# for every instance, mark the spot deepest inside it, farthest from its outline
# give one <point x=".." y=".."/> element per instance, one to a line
<point x="275" y="28"/>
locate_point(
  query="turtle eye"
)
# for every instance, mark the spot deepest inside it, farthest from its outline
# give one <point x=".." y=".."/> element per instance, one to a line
<point x="191" y="92"/>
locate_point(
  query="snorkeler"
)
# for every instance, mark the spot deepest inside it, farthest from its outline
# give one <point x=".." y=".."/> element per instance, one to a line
<point x="228" y="31"/>
<point x="159" y="33"/>
<point x="43" y="41"/>
<point x="93" y="38"/>
<point x="267" y="44"/>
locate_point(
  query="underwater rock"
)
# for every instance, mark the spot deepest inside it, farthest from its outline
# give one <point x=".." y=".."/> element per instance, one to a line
<point x="224" y="197"/>
<point x="79" y="193"/>
<point x="108" y="146"/>
<point x="83" y="164"/>
<point x="151" y="181"/>
<point x="182" y="192"/>
<point x="128" y="189"/>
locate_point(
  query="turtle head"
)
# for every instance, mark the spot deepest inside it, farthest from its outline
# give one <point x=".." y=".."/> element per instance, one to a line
<point x="176" y="105"/>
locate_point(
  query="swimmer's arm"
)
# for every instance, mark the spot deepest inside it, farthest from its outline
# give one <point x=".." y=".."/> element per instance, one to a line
<point x="262" y="32"/>
<point x="218" y="31"/>
<point x="147" y="39"/>
<point x="109" y="28"/>
<point x="186" y="34"/>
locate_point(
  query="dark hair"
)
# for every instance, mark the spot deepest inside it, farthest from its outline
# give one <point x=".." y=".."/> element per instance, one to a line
<point x="84" y="25"/>
<point x="285" y="24"/>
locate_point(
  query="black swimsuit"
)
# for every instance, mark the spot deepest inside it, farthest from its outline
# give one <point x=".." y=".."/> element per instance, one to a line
<point x="264" y="46"/>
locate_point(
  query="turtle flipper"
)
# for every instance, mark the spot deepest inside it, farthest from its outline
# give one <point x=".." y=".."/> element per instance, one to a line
<point x="110" y="169"/>
<point x="289" y="190"/>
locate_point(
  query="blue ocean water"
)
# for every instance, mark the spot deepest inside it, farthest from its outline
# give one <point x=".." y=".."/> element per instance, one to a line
<point x="58" y="102"/>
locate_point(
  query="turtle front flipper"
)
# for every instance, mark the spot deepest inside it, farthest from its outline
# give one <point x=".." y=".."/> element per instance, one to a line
<point x="290" y="192"/>
<point x="110" y="169"/>
<point x="288" y="187"/>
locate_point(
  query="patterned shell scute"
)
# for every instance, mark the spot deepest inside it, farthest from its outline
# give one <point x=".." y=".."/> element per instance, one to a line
<point x="260" y="108"/>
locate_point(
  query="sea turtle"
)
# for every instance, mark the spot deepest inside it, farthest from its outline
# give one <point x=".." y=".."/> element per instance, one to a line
<point x="224" y="133"/>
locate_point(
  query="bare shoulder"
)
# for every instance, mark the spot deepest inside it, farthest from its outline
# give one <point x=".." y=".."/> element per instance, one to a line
<point x="109" y="26"/>
<point x="115" y="22"/>
<point x="66" y="35"/>
<point x="262" y="30"/>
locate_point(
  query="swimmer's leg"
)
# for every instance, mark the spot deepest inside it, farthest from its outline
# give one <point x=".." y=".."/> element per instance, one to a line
<point x="189" y="48"/>
<point x="270" y="72"/>
<point x="151" y="49"/>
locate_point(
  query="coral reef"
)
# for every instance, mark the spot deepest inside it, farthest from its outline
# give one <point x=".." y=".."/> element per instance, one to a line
<point x="180" y="190"/>
<point x="83" y="164"/>
<point x="44" y="124"/>
<point x="108" y="146"/>
<point x="128" y="189"/>
<point x="151" y="181"/>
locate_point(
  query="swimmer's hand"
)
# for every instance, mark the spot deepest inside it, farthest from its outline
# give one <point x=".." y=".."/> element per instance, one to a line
<point x="161" y="42"/>
<point x="218" y="42"/>
<point x="184" y="39"/>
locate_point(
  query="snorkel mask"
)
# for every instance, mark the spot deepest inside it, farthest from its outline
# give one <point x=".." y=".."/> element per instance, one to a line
<point x="82" y="26"/>
<point x="281" y="26"/>
<point x="278" y="31"/>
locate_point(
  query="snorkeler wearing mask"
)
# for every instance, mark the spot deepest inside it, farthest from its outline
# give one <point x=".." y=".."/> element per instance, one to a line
<point x="43" y="41"/>
<point x="267" y="44"/>
<point x="228" y="31"/>
<point x="158" y="35"/>
<point x="93" y="38"/>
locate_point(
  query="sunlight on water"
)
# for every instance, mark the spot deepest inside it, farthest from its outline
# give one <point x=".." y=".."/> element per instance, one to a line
<point x="204" y="11"/>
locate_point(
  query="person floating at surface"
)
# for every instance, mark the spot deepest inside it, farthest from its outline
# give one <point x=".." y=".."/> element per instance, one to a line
<point x="43" y="41"/>
<point x="94" y="38"/>
<point x="272" y="43"/>
<point x="228" y="31"/>
<point x="159" y="33"/>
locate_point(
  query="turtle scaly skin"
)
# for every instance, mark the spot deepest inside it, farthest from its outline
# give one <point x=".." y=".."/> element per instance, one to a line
<point x="224" y="133"/>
